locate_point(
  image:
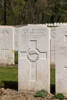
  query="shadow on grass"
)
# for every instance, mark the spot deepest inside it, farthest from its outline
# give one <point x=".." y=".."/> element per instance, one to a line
<point x="52" y="78"/>
<point x="11" y="85"/>
<point x="52" y="89"/>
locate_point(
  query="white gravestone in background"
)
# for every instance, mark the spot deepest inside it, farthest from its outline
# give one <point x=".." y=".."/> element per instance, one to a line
<point x="6" y="45"/>
<point x="16" y="39"/>
<point x="34" y="58"/>
<point x="61" y="59"/>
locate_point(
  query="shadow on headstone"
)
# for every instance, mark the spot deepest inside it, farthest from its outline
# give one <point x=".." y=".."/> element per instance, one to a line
<point x="11" y="85"/>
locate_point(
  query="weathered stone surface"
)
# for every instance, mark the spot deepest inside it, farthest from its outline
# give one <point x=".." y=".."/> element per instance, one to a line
<point x="53" y="33"/>
<point x="52" y="49"/>
<point x="6" y="45"/>
<point x="61" y="59"/>
<point x="34" y="58"/>
<point x="16" y="38"/>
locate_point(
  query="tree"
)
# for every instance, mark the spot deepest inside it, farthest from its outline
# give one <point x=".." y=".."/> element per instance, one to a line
<point x="5" y="19"/>
<point x="16" y="12"/>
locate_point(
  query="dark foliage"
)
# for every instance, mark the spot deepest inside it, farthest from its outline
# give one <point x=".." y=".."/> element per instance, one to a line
<point x="33" y="11"/>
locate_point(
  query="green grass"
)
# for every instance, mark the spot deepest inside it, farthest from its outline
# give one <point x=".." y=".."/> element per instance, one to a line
<point x="52" y="76"/>
<point x="8" y="74"/>
<point x="41" y="93"/>
<point x="59" y="96"/>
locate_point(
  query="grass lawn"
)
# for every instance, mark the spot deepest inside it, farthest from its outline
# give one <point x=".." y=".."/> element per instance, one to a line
<point x="52" y="76"/>
<point x="9" y="77"/>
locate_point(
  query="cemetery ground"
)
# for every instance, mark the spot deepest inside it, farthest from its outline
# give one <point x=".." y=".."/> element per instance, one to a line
<point x="9" y="85"/>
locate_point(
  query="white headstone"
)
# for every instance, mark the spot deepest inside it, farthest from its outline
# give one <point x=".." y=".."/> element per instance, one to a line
<point x="16" y="35"/>
<point x="6" y="45"/>
<point x="61" y="59"/>
<point x="52" y="50"/>
<point x="34" y="58"/>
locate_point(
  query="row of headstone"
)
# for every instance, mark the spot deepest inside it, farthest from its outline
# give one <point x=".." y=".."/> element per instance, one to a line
<point x="34" y="58"/>
<point x="33" y="43"/>
<point x="55" y="24"/>
<point x="7" y="55"/>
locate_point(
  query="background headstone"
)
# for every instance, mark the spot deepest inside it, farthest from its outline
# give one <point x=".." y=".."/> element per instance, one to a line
<point x="16" y="39"/>
<point x="6" y="45"/>
<point x="61" y="59"/>
<point x="52" y="45"/>
<point x="34" y="58"/>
